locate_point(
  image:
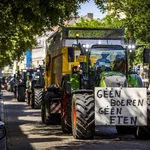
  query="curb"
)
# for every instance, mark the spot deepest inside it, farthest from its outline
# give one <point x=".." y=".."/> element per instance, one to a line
<point x="3" y="141"/>
<point x="1" y="107"/>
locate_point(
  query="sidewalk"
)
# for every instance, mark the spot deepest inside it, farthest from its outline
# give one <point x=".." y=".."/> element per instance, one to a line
<point x="2" y="141"/>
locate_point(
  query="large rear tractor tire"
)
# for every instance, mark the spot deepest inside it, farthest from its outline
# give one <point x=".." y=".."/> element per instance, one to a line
<point x="37" y="97"/>
<point x="83" y="118"/>
<point x="66" y="113"/>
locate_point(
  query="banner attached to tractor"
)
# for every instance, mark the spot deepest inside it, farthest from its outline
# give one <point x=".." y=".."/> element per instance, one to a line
<point x="120" y="106"/>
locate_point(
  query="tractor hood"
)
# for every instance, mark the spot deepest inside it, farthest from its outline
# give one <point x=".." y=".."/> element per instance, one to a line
<point x="113" y="79"/>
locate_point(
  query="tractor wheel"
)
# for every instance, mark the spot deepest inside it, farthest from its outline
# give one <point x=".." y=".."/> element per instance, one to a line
<point x="44" y="114"/>
<point x="31" y="100"/>
<point x="28" y="98"/>
<point x="83" y="118"/>
<point x="66" y="113"/>
<point x="46" y="117"/>
<point x="143" y="132"/>
<point x="37" y="97"/>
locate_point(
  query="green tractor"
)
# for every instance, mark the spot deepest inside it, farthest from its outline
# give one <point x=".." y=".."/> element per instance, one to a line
<point x="105" y="73"/>
<point x="35" y="85"/>
<point x="103" y="65"/>
<point x="20" y="85"/>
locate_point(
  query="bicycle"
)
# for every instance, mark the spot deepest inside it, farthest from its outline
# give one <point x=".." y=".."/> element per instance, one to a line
<point x="2" y="130"/>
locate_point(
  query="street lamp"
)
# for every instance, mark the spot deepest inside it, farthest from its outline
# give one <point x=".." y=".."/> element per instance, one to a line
<point x="129" y="48"/>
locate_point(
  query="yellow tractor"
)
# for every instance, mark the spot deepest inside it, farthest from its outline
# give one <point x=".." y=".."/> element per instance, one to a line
<point x="59" y="61"/>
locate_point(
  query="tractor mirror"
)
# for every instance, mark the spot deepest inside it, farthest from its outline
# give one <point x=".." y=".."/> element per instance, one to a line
<point x="70" y="54"/>
<point x="146" y="55"/>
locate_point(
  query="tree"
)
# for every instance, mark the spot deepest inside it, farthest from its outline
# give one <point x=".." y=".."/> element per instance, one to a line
<point x="134" y="13"/>
<point x="21" y="20"/>
<point x="136" y="17"/>
<point x="88" y="23"/>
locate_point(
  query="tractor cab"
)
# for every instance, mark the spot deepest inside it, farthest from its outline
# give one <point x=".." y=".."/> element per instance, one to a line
<point x="102" y="65"/>
<point x="35" y="84"/>
<point x="38" y="77"/>
<point x="109" y="64"/>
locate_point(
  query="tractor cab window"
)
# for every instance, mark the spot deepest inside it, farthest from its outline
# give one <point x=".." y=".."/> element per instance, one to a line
<point x="71" y="54"/>
<point x="108" y="57"/>
<point x="36" y="75"/>
<point x="36" y="78"/>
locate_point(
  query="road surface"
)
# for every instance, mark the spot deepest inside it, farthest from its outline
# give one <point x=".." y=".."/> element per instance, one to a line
<point x="25" y="131"/>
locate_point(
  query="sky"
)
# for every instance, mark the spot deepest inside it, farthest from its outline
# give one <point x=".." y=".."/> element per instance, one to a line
<point x="90" y="7"/>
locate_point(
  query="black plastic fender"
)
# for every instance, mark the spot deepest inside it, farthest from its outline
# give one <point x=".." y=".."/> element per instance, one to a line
<point x="82" y="91"/>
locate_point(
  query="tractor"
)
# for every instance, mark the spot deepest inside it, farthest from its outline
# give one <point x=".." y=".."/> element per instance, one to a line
<point x="35" y="85"/>
<point x="19" y="85"/>
<point x="86" y="71"/>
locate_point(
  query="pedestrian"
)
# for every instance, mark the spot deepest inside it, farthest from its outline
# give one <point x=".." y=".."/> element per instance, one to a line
<point x="15" y="85"/>
<point x="135" y="68"/>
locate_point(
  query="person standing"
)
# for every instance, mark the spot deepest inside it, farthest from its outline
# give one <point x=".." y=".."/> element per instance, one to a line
<point x="15" y="85"/>
<point x="135" y="68"/>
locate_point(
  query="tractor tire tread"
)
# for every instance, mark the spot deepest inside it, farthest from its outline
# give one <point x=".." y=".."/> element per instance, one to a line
<point x="85" y="120"/>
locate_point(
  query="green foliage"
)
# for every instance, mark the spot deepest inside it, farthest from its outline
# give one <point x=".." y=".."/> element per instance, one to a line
<point x="21" y="20"/>
<point x="133" y="15"/>
<point x="88" y="23"/>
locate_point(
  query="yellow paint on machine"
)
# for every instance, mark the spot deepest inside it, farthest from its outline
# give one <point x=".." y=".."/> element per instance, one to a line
<point x="57" y="65"/>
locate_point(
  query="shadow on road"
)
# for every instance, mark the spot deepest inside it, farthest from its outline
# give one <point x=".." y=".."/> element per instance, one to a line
<point x="27" y="132"/>
<point x="24" y="127"/>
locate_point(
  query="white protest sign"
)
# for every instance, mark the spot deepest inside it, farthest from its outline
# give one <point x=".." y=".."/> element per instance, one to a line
<point x="120" y="106"/>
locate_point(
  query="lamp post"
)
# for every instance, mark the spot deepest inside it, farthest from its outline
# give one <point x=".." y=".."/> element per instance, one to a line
<point x="129" y="49"/>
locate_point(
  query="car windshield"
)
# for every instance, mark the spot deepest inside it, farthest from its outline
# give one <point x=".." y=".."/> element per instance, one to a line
<point x="110" y="57"/>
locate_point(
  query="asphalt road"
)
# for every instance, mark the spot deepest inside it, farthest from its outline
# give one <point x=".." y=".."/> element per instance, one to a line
<point x="25" y="131"/>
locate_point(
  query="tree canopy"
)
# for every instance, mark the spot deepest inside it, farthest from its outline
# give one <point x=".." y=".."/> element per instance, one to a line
<point x="21" y="20"/>
<point x="134" y="13"/>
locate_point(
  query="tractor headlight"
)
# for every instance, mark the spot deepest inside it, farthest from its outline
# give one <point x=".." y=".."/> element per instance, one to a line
<point x="130" y="85"/>
<point x="80" y="71"/>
